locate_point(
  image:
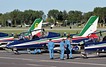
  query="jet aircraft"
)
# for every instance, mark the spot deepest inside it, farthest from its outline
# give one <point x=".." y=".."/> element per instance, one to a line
<point x="36" y="25"/>
<point x="41" y="42"/>
<point x="95" y="45"/>
<point x="5" y="39"/>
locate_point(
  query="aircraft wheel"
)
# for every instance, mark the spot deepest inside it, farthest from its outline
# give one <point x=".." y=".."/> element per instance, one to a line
<point x="84" y="55"/>
<point x="98" y="54"/>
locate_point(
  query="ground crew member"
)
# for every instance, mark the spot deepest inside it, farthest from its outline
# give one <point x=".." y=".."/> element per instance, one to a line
<point x="51" y="48"/>
<point x="68" y="47"/>
<point x="67" y="51"/>
<point x="62" y="45"/>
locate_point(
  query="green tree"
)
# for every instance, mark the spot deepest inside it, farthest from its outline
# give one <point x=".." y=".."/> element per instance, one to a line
<point x="30" y="15"/>
<point x="74" y="16"/>
<point x="60" y="16"/>
<point x="16" y="17"/>
<point x="53" y="14"/>
<point x="65" y="15"/>
<point x="101" y="12"/>
<point x="87" y="15"/>
<point x="0" y="14"/>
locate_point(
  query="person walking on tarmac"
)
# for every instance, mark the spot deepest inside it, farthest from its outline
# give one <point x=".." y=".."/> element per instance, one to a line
<point x="62" y="45"/>
<point x="51" y="48"/>
<point x="68" y="48"/>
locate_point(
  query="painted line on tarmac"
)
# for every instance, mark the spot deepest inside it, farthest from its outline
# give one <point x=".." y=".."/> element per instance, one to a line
<point x="94" y="64"/>
<point x="48" y="54"/>
<point x="28" y="60"/>
<point x="7" y="63"/>
<point x="16" y="58"/>
<point x="38" y="60"/>
<point x="40" y="65"/>
<point x="99" y="58"/>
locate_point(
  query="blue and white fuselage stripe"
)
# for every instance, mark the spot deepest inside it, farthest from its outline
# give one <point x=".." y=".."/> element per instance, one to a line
<point x="101" y="46"/>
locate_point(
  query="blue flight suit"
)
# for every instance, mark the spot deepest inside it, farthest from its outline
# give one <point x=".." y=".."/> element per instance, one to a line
<point x="67" y="42"/>
<point x="62" y="44"/>
<point x="51" y="49"/>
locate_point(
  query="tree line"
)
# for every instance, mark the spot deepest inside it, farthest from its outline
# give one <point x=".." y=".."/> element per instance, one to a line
<point x="17" y="17"/>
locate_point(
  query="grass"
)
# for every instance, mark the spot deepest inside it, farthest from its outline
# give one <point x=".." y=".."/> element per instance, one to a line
<point x="67" y="31"/>
<point x="11" y="31"/>
<point x="19" y="30"/>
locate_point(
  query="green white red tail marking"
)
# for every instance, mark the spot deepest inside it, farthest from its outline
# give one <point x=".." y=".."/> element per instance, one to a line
<point x="90" y="27"/>
<point x="36" y="25"/>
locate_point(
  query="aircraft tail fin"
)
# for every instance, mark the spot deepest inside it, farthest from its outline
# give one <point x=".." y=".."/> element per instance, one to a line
<point x="90" y="27"/>
<point x="36" y="25"/>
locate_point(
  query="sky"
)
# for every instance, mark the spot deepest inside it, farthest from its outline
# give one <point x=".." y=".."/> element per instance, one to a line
<point x="46" y="5"/>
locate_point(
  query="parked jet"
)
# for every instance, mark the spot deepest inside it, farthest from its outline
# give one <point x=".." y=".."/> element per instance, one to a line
<point x="90" y="27"/>
<point x="96" y="45"/>
<point x="26" y="25"/>
<point x="37" y="24"/>
<point x="41" y="41"/>
<point x="5" y="38"/>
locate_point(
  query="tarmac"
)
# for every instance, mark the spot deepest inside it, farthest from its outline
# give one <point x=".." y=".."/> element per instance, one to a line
<point x="9" y="59"/>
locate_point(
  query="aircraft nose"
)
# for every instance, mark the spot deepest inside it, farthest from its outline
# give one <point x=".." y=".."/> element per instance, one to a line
<point x="9" y="46"/>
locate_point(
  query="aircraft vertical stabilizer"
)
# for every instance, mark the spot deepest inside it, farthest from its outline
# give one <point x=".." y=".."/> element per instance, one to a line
<point x="90" y="27"/>
<point x="36" y="25"/>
